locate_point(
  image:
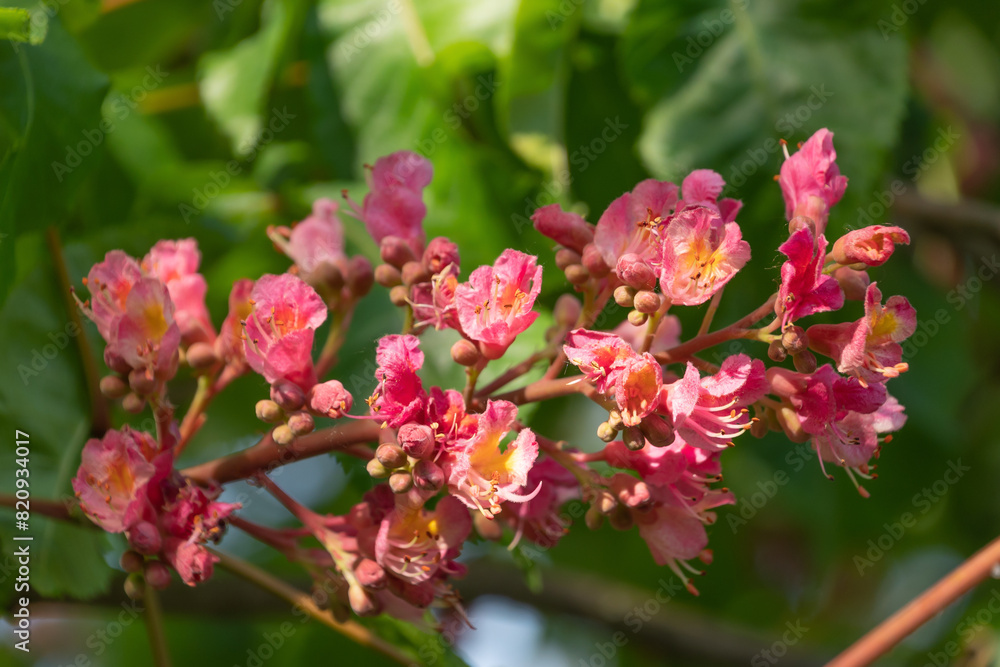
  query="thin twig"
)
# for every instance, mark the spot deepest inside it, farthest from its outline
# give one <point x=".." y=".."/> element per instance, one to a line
<point x="735" y="330"/>
<point x="894" y="629"/>
<point x="350" y="629"/>
<point x="154" y="627"/>
<point x="710" y="313"/>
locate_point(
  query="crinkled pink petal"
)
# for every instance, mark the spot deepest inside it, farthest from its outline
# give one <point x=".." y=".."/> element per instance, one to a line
<point x="564" y="227"/>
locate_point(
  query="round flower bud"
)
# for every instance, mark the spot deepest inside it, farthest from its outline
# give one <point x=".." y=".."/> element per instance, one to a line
<point x="141" y="382"/>
<point x="606" y="432"/>
<point x="635" y="272"/>
<point x="605" y="502"/>
<point x="624" y="296"/>
<point x="615" y="420"/>
<point x="135" y="586"/>
<point x="360" y="276"/>
<point x="776" y="351"/>
<point x="283" y="435"/>
<point x="133" y="403"/>
<point x="390" y="455"/>
<point x="593" y="518"/>
<point x="565" y="257"/>
<point x="576" y="274"/>
<point x="396" y="251"/>
<point x="132" y="561"/>
<point x="288" y="395"/>
<point x="633" y="438"/>
<point x="487" y="528"/>
<point x="387" y="275"/>
<point x="428" y="476"/>
<point x="465" y="353"/>
<point x="301" y="423"/>
<point x="794" y="340"/>
<point x="417" y="440"/>
<point x="646" y="301"/>
<point x="621" y="518"/>
<point x="113" y="386"/>
<point x="440" y="253"/>
<point x="399" y="295"/>
<point x="329" y="276"/>
<point x="370" y="574"/>
<point x="400" y="482"/>
<point x="594" y="261"/>
<point x="636" y="318"/>
<point x="376" y="469"/>
<point x="330" y="399"/>
<point x="805" y="362"/>
<point x="268" y="411"/>
<point x="115" y="362"/>
<point x="853" y="282"/>
<point x="144" y="537"/>
<point x="157" y="574"/>
<point x="201" y="356"/>
<point x="567" y="310"/>
<point x="414" y="272"/>
<point x="658" y="430"/>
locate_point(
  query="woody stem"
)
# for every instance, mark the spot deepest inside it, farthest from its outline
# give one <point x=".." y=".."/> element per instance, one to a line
<point x="893" y="630"/>
<point x="154" y="627"/>
<point x="737" y="329"/>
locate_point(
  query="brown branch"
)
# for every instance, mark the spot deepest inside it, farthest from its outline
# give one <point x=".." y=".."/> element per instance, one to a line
<point x="968" y="215"/>
<point x="53" y="509"/>
<point x="737" y="329"/>
<point x="894" y="629"/>
<point x="543" y="390"/>
<point x="267" y="455"/>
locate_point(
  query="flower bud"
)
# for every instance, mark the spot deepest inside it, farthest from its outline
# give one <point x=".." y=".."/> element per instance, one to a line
<point x="417" y="440"/>
<point x="488" y="528"/>
<point x="132" y="561"/>
<point x="414" y="272"/>
<point x="115" y="362"/>
<point x="635" y="272"/>
<point x="396" y="251"/>
<point x="624" y="296"/>
<point x="790" y="424"/>
<point x="636" y="495"/>
<point x="144" y="537"/>
<point x="636" y="318"/>
<point x="390" y="455"/>
<point x="567" y="310"/>
<point x="605" y="502"/>
<point x="360" y="276"/>
<point x="387" y="275"/>
<point x="566" y="257"/>
<point x="593" y="518"/>
<point x="370" y="574"/>
<point x="283" y="435"/>
<point x="361" y="602"/>
<point x="376" y="469"/>
<point x="646" y="301"/>
<point x="658" y="430"/>
<point x="142" y="383"/>
<point x="287" y="395"/>
<point x="428" y="476"/>
<point x="399" y="295"/>
<point x="465" y="353"/>
<point x="268" y="411"/>
<point x="776" y="351"/>
<point x="133" y="403"/>
<point x="329" y="276"/>
<point x="615" y="420"/>
<point x="157" y="574"/>
<point x="301" y="423"/>
<point x="135" y="586"/>
<point x="440" y="253"/>
<point x="606" y="432"/>
<point x="794" y="340"/>
<point x="576" y="274"/>
<point x="330" y="399"/>
<point x="805" y="362"/>
<point x="400" y="482"/>
<point x="854" y="283"/>
<point x="201" y="356"/>
<point x="633" y="438"/>
<point x="594" y="261"/>
<point x="621" y="518"/>
<point x="113" y="386"/>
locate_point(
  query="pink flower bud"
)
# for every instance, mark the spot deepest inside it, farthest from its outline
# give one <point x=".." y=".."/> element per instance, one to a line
<point x="390" y="455"/>
<point x="465" y="353"/>
<point x="201" y="356"/>
<point x="594" y="262"/>
<point x="854" y="283"/>
<point x="565" y="228"/>
<point x="287" y="395"/>
<point x="635" y="272"/>
<point x="330" y="399"/>
<point x="646" y="302"/>
<point x="131" y="561"/>
<point x="415" y="272"/>
<point x="360" y="276"/>
<point x="388" y="275"/>
<point x="428" y="475"/>
<point x="396" y="251"/>
<point x="157" y="574"/>
<point x="268" y="411"/>
<point x="440" y="253"/>
<point x="301" y="423"/>
<point x="370" y="574"/>
<point x="417" y="440"/>
<point x="400" y="482"/>
<point x="872" y="246"/>
<point x="112" y="386"/>
<point x="144" y="537"/>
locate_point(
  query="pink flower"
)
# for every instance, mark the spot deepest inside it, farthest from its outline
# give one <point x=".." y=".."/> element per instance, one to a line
<point x="434" y="301"/>
<point x="115" y="475"/>
<point x="496" y="304"/>
<point x="565" y="228"/>
<point x="632" y="222"/>
<point x="279" y="331"/>
<point x="319" y="239"/>
<point x="109" y="283"/>
<point x="708" y="412"/>
<point x="810" y="180"/>
<point x="229" y="345"/>
<point x="414" y="543"/>
<point x="700" y="255"/>
<point x="447" y="415"/>
<point x="192" y="561"/>
<point x="869" y="347"/>
<point x="538" y="520"/>
<point x="872" y="246"/>
<point x="804" y="289"/>
<point x="639" y="388"/>
<point x="146" y="335"/>
<point x="399" y="397"/>
<point x="820" y="398"/>
<point x="395" y="206"/>
<point x="600" y="356"/>
<point x="175" y="263"/>
<point x="480" y="474"/>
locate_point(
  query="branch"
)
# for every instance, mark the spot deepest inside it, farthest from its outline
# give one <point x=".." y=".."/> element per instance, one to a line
<point x="543" y="390"/>
<point x="737" y="329"/>
<point x="967" y="216"/>
<point x="267" y="455"/>
<point x="895" y="628"/>
<point x="154" y="627"/>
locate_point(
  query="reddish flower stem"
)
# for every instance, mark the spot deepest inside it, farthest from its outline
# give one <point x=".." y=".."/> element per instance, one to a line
<point x="543" y="390"/>
<point x="267" y="455"/>
<point x="894" y="629"/>
<point x="737" y="329"/>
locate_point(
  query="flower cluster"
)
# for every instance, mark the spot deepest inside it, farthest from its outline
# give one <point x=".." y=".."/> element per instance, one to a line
<point x="452" y="462"/>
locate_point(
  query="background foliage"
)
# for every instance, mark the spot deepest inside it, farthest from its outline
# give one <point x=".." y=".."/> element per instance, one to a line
<point x="136" y="120"/>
